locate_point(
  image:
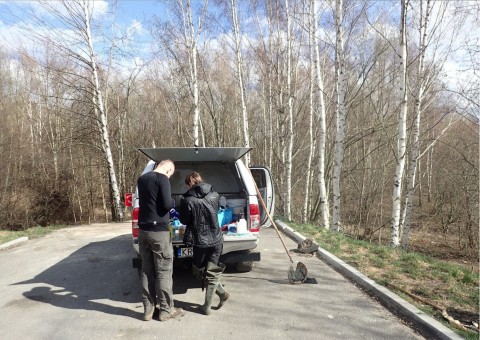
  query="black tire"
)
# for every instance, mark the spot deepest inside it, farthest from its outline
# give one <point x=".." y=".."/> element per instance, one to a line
<point x="244" y="266"/>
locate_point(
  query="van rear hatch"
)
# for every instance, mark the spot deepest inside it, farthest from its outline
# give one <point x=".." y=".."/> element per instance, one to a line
<point x="210" y="154"/>
<point x="217" y="166"/>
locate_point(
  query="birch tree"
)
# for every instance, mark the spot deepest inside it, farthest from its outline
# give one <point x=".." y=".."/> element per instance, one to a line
<point x="402" y="129"/>
<point x="74" y="40"/>
<point x="339" y="113"/>
<point x="442" y="39"/>
<point x="185" y="29"/>
<point x="308" y="170"/>
<point x="322" y="130"/>
<point x="99" y="109"/>
<point x="241" y="86"/>
<point x="191" y="38"/>
<point x="290" y="134"/>
<point x="412" y="166"/>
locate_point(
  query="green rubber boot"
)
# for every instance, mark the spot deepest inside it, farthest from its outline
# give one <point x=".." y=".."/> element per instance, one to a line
<point x="213" y="274"/>
<point x="222" y="294"/>
<point x="209" y="293"/>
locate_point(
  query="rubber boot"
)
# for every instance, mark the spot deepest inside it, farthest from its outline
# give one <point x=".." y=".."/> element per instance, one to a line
<point x="222" y="294"/>
<point x="213" y="275"/>
<point x="206" y="308"/>
<point x="220" y="290"/>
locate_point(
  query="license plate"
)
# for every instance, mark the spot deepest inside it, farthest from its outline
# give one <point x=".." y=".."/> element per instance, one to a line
<point x="185" y="252"/>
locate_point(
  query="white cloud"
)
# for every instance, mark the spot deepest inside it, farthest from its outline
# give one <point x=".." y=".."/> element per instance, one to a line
<point x="134" y="28"/>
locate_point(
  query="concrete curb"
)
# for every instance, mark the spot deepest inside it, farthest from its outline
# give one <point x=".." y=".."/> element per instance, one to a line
<point x="423" y="323"/>
<point x="13" y="243"/>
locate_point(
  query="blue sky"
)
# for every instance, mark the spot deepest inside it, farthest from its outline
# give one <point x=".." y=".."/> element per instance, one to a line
<point x="139" y="10"/>
<point x="127" y="12"/>
<point x="130" y="17"/>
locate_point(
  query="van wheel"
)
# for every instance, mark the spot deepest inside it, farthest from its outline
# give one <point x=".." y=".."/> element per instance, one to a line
<point x="244" y="266"/>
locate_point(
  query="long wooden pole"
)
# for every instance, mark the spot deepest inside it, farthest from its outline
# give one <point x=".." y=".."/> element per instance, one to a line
<point x="271" y="220"/>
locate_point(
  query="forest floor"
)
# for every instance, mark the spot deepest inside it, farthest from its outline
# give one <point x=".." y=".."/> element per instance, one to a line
<point x="435" y="274"/>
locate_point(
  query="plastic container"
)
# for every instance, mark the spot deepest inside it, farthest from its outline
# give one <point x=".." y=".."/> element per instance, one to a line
<point x="181" y="230"/>
<point x="242" y="226"/>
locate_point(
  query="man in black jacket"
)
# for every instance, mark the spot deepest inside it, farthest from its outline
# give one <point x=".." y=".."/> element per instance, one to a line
<point x="198" y="211"/>
<point x="155" y="242"/>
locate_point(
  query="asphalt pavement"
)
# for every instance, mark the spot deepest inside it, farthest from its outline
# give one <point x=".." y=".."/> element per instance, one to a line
<point x="78" y="283"/>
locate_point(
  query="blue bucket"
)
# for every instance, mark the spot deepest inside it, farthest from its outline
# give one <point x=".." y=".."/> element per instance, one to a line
<point x="225" y="216"/>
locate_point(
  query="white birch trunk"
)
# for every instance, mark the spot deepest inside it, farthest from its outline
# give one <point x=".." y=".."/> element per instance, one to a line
<point x="402" y="133"/>
<point x="194" y="75"/>
<point x="416" y="127"/>
<point x="340" y="116"/>
<point x="238" y="50"/>
<point x="270" y="122"/>
<point x="306" y="197"/>
<point x="324" y="218"/>
<point x="290" y="116"/>
<point x="102" y="120"/>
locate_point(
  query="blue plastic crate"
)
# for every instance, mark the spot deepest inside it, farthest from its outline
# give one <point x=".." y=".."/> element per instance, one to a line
<point x="225" y="216"/>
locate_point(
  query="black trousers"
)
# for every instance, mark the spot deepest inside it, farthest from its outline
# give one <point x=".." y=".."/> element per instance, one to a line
<point x="201" y="256"/>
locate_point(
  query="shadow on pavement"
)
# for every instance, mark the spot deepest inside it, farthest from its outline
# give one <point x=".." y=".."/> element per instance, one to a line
<point x="102" y="271"/>
<point x="97" y="271"/>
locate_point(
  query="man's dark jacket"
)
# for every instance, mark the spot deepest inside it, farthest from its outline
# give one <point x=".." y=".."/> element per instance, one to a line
<point x="198" y="211"/>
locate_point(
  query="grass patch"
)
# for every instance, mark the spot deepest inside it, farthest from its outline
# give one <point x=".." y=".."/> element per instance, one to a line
<point x="443" y="283"/>
<point x="34" y="232"/>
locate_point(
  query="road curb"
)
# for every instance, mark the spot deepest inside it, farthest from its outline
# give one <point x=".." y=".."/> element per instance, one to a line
<point x="423" y="323"/>
<point x="13" y="243"/>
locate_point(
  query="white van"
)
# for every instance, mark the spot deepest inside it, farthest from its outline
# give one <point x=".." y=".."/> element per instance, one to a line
<point x="222" y="168"/>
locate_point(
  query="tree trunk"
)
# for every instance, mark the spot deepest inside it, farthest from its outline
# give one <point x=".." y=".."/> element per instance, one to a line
<point x="324" y="218"/>
<point x="416" y="127"/>
<point x="290" y="116"/>
<point x="402" y="131"/>
<point x="340" y="116"/>
<point x="99" y="107"/>
<point x="306" y="197"/>
<point x="194" y="76"/>
<point x="243" y="100"/>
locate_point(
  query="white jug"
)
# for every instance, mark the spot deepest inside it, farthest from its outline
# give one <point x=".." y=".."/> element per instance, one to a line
<point x="241" y="226"/>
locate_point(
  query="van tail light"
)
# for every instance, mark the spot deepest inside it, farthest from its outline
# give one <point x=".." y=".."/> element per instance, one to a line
<point x="254" y="218"/>
<point x="135" y="222"/>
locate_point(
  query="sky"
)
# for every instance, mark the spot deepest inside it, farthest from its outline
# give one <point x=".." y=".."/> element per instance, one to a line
<point x="131" y="19"/>
<point x="127" y="13"/>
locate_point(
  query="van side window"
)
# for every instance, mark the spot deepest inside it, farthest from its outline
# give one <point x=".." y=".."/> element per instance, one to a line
<point x="259" y="177"/>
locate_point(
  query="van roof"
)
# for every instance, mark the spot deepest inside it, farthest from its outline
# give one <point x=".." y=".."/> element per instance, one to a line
<point x="195" y="154"/>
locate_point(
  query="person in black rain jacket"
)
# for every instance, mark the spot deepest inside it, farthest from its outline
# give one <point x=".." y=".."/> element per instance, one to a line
<point x="198" y="211"/>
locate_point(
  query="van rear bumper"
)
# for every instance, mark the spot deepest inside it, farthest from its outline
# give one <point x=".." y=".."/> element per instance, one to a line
<point x="234" y="257"/>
